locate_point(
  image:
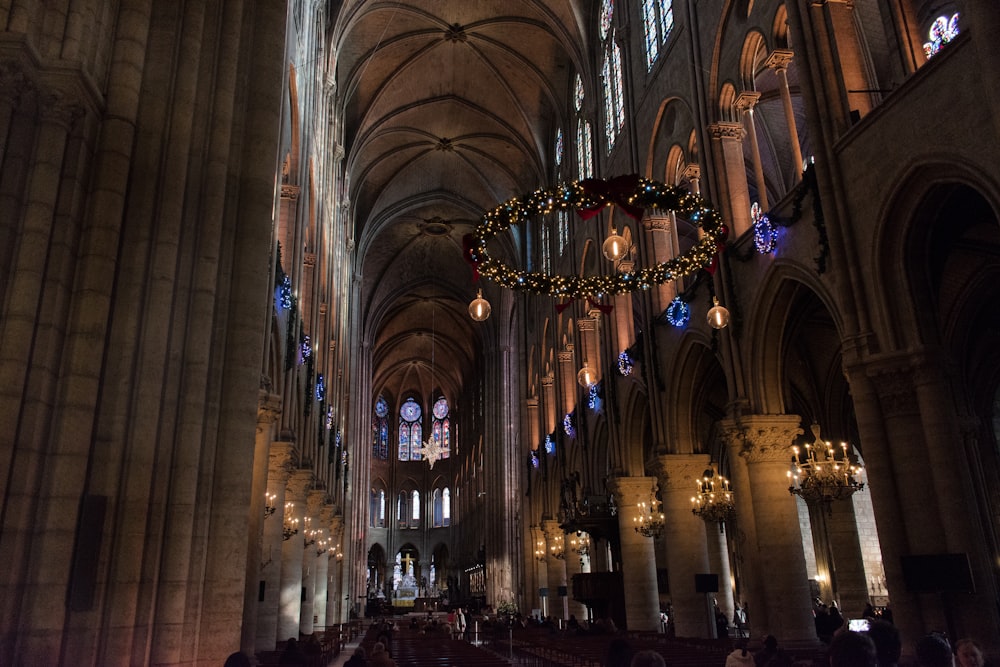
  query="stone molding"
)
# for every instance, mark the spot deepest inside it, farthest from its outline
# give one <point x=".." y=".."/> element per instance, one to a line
<point x="280" y="461"/>
<point x="747" y="100"/>
<point x="566" y="356"/>
<point x="299" y="483"/>
<point x="678" y="471"/>
<point x="779" y="59"/>
<point x="727" y="130"/>
<point x="290" y="192"/>
<point x="268" y="409"/>
<point x="630" y="491"/>
<point x="658" y="222"/>
<point x="762" y="438"/>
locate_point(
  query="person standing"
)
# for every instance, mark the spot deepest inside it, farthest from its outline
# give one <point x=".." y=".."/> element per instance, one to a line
<point x="462" y="623"/>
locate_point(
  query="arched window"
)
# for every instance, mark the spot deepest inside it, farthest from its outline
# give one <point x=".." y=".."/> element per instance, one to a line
<point x="658" y="21"/>
<point x="442" y="507"/>
<point x="402" y="508"/>
<point x="376" y="507"/>
<point x="380" y="430"/>
<point x="415" y="509"/>
<point x="611" y="75"/>
<point x="410" y="430"/>
<point x="559" y="147"/>
<point x="584" y="138"/>
<point x="943" y="29"/>
<point x="441" y="426"/>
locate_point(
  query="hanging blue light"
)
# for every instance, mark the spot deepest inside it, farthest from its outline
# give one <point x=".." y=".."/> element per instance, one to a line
<point x="678" y="313"/>
<point x="550" y="445"/>
<point x="765" y="234"/>
<point x="320" y="387"/>
<point x="625" y="363"/>
<point x="568" y="426"/>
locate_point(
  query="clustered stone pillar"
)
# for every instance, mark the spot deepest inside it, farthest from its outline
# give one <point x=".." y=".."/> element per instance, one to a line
<point x="290" y="608"/>
<point x="745" y="103"/>
<point x="760" y="449"/>
<point x="334" y="588"/>
<point x="541" y="571"/>
<point x="573" y="566"/>
<point x="727" y="142"/>
<point x="642" y="607"/>
<point x="279" y="469"/>
<point x="684" y="537"/>
<point x="779" y="60"/>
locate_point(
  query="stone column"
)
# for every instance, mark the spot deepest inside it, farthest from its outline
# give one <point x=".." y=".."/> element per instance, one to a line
<point x="642" y="606"/>
<point x="684" y="536"/>
<point x="718" y="561"/>
<point x="779" y="61"/>
<point x="588" y="328"/>
<point x="573" y="566"/>
<point x="315" y="531"/>
<point x="540" y="556"/>
<point x="334" y="591"/>
<point x="323" y="551"/>
<point x="549" y="406"/>
<point x="745" y="102"/>
<point x="279" y="468"/>
<point x="848" y="562"/>
<point x="785" y="600"/>
<point x="567" y="379"/>
<point x="534" y="425"/>
<point x="623" y="319"/>
<point x="659" y="232"/>
<point x="555" y="562"/>
<point x="268" y="410"/>
<point x="736" y="198"/>
<point x="290" y="607"/>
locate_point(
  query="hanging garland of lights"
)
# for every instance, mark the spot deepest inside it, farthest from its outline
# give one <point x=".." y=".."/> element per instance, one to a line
<point x="625" y="363"/>
<point x="633" y="195"/>
<point x="765" y="234"/>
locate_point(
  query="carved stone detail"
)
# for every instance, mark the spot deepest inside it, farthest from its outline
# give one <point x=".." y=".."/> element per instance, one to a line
<point x="299" y="484"/>
<point x="657" y="222"/>
<point x="268" y="409"/>
<point x="779" y="59"/>
<point x="281" y="456"/>
<point x="726" y="130"/>
<point x="762" y="438"/>
<point x="679" y="471"/>
<point x="630" y="491"/>
<point x="290" y="192"/>
<point x="896" y="392"/>
<point x="747" y="100"/>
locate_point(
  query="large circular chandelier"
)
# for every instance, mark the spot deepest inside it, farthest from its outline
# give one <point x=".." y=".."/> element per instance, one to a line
<point x="630" y="193"/>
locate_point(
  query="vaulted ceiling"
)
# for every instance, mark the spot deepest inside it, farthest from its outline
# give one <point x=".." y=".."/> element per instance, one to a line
<point x="448" y="109"/>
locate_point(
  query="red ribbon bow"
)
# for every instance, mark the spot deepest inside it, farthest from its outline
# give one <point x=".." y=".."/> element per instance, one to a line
<point x="467" y="248"/>
<point x="614" y="191"/>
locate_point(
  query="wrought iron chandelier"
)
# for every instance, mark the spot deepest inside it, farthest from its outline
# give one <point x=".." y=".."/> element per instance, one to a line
<point x="649" y="519"/>
<point x="714" y="500"/>
<point x="822" y="473"/>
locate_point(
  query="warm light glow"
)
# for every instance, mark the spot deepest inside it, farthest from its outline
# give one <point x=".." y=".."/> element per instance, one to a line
<point x="479" y="309"/>
<point x="614" y="246"/>
<point x="718" y="316"/>
<point x="586" y="377"/>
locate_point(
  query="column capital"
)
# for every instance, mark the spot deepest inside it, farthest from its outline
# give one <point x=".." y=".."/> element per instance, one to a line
<point x="692" y="172"/>
<point x="551" y="529"/>
<point x="299" y="483"/>
<point x="762" y="438"/>
<point x="309" y="259"/>
<point x="587" y="323"/>
<point x="624" y="266"/>
<point x="566" y="356"/>
<point x="548" y="381"/>
<point x="677" y="471"/>
<point x="747" y="100"/>
<point x="779" y="60"/>
<point x="268" y="408"/>
<point x="531" y="402"/>
<point x="727" y="131"/>
<point x="290" y="192"/>
<point x="656" y="222"/>
<point x="315" y="499"/>
<point x="630" y="491"/>
<point x="280" y="457"/>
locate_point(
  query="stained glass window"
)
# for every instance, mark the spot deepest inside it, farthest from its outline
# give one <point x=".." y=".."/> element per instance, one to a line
<point x="578" y="97"/>
<point x="380" y="430"/>
<point x="657" y="21"/>
<point x="559" y="146"/>
<point x="607" y="13"/>
<point x="546" y="249"/>
<point x="441" y="426"/>
<point x="562" y="218"/>
<point x="415" y="507"/>
<point x="410" y="430"/>
<point x="614" y="92"/>
<point x="584" y="144"/>
<point x="942" y="31"/>
<point x="442" y="507"/>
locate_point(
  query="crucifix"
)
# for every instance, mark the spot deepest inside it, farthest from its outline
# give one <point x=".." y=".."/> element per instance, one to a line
<point x="408" y="561"/>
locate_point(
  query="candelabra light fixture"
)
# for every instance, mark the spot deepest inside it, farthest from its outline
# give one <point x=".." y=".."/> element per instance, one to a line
<point x="557" y="549"/>
<point x="309" y="533"/>
<point x="649" y="518"/>
<point x="291" y="524"/>
<point x="822" y="473"/>
<point x="338" y="554"/>
<point x="714" y="500"/>
<point x="269" y="506"/>
<point x="580" y="544"/>
<point x="540" y="551"/>
<point x="322" y="546"/>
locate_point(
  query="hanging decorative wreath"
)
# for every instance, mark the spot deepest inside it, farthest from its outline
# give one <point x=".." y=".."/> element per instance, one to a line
<point x="678" y="313"/>
<point x="630" y="193"/>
